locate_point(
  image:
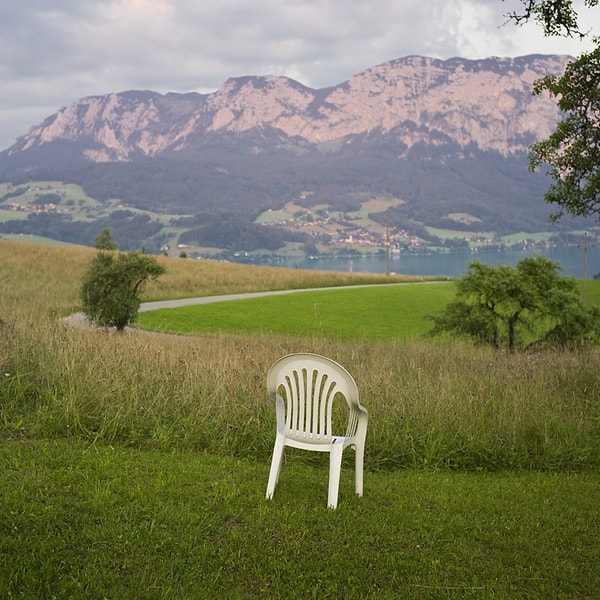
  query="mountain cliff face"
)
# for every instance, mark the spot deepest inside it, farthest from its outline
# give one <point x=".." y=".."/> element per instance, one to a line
<point x="415" y="145"/>
<point x="411" y="101"/>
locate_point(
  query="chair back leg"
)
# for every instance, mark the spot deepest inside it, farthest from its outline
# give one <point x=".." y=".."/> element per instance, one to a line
<point x="359" y="460"/>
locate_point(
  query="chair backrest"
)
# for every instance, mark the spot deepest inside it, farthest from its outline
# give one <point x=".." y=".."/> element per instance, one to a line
<point x="305" y="386"/>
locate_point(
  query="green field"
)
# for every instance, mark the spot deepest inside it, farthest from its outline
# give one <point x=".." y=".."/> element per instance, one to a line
<point x="388" y="312"/>
<point x="135" y="465"/>
<point x="83" y="522"/>
<point x="375" y="313"/>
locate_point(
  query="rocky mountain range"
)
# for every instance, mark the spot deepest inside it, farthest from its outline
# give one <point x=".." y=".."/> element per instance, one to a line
<point x="444" y="141"/>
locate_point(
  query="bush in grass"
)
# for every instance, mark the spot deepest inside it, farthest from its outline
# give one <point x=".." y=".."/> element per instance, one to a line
<point x="112" y="286"/>
<point x="511" y="307"/>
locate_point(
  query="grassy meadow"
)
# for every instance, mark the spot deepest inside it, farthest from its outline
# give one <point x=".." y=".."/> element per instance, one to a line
<point x="135" y="465"/>
<point x="378" y="312"/>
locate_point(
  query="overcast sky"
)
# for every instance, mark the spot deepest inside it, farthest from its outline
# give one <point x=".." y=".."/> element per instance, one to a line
<point x="53" y="52"/>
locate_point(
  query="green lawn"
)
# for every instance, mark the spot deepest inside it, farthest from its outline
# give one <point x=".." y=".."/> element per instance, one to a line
<point x="373" y="313"/>
<point x="397" y="311"/>
<point x="81" y="521"/>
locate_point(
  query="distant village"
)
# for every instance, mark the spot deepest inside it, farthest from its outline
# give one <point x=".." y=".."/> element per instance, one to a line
<point x="330" y="231"/>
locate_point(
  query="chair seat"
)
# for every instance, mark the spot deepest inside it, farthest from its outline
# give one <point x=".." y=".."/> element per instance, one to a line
<point x="310" y="442"/>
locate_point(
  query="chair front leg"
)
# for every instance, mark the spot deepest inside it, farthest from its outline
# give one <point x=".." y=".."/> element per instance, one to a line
<point x="275" y="465"/>
<point x="335" y="468"/>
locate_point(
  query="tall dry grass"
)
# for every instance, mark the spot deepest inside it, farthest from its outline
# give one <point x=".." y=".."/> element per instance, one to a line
<point x="47" y="277"/>
<point x="431" y="404"/>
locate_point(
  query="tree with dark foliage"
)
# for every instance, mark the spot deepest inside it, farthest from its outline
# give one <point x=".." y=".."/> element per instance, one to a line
<point x="517" y="307"/>
<point x="557" y="17"/>
<point x="573" y="150"/>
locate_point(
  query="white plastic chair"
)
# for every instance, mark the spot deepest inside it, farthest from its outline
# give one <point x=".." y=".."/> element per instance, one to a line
<point x="305" y="388"/>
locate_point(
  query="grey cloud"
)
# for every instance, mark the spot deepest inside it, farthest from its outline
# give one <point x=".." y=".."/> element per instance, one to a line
<point x="54" y="52"/>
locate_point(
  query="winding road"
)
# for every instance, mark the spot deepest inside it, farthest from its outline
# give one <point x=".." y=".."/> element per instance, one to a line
<point x="146" y="306"/>
<point x="80" y="320"/>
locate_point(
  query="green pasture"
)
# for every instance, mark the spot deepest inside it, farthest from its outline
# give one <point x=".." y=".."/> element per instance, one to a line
<point x="515" y="238"/>
<point x="269" y="216"/>
<point x="385" y="312"/>
<point x="31" y="190"/>
<point x="375" y="313"/>
<point x="453" y="234"/>
<point x="33" y="239"/>
<point x="11" y="215"/>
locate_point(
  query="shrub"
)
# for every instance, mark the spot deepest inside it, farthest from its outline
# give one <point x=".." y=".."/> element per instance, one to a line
<point x="112" y="286"/>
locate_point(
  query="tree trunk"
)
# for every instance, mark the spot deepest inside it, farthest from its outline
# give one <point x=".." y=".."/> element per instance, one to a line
<point x="512" y="321"/>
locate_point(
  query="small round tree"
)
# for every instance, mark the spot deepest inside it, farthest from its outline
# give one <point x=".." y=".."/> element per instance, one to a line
<point x="112" y="286"/>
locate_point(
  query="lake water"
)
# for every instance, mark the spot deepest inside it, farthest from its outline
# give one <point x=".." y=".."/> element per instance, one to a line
<point x="452" y="264"/>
